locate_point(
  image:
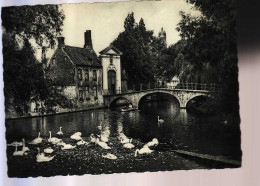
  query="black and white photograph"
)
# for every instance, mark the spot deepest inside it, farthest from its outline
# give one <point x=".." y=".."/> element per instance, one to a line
<point x="120" y="87"/>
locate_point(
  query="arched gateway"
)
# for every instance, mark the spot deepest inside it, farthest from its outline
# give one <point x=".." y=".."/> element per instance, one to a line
<point x="183" y="96"/>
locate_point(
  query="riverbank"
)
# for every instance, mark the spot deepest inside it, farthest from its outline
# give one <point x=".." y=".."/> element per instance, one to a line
<point x="88" y="160"/>
<point x="64" y="111"/>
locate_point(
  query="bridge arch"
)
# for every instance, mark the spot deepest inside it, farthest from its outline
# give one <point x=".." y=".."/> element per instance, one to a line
<point x="197" y="96"/>
<point x="182" y="95"/>
<point x="113" y="101"/>
<point x="157" y="92"/>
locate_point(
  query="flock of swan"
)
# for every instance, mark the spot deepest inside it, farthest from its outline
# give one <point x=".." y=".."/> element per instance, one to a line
<point x="100" y="140"/>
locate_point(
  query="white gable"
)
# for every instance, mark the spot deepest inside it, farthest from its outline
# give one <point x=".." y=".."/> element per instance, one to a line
<point x="111" y="51"/>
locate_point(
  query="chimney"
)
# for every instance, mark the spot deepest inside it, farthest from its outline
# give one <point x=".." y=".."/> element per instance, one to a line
<point x="88" y="40"/>
<point x="61" y="42"/>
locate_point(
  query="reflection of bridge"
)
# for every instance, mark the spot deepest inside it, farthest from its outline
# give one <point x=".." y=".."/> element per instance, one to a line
<point x="182" y="93"/>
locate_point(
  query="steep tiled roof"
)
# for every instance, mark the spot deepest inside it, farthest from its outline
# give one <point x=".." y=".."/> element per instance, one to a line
<point x="82" y="56"/>
<point x="111" y="47"/>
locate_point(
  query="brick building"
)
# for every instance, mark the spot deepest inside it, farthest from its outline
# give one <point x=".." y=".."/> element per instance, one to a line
<point x="83" y="76"/>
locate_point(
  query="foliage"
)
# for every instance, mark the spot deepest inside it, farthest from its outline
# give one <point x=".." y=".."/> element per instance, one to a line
<point x="138" y="57"/>
<point x="41" y="23"/>
<point x="23" y="74"/>
<point x="211" y="47"/>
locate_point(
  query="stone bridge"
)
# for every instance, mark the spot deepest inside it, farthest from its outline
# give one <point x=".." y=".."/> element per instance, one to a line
<point x="183" y="96"/>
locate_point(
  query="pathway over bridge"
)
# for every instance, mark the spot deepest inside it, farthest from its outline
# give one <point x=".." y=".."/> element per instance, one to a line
<point x="183" y="94"/>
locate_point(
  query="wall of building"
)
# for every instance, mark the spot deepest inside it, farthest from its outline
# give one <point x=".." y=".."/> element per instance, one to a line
<point x="116" y="65"/>
<point x="88" y="90"/>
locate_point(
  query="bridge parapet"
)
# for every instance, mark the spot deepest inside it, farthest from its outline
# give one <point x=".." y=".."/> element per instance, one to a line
<point x="182" y="95"/>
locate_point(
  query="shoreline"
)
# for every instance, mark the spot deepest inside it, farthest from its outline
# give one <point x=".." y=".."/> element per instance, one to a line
<point x="88" y="160"/>
<point x="57" y="113"/>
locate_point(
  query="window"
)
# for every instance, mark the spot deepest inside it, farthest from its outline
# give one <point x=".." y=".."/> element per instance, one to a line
<point x="94" y="75"/>
<point x="79" y="74"/>
<point x="81" y="96"/>
<point x="87" y="93"/>
<point x="111" y="60"/>
<point x="95" y="91"/>
<point x="86" y="74"/>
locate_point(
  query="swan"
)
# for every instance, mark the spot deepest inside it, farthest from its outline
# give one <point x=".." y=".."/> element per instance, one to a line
<point x="24" y="147"/>
<point x="128" y="145"/>
<point x="60" y="132"/>
<point x="92" y="138"/>
<point x="154" y="142"/>
<point x="61" y="143"/>
<point x="67" y="147"/>
<point x="40" y="157"/>
<point x="224" y="122"/>
<point x="126" y="140"/>
<point x="102" y="144"/>
<point x="48" y="150"/>
<point x="144" y="150"/>
<point x="109" y="156"/>
<point x="104" y="138"/>
<point x="82" y="142"/>
<point x="122" y="136"/>
<point x="18" y="153"/>
<point x="160" y="121"/>
<point x="36" y="140"/>
<point x="15" y="143"/>
<point x="76" y="136"/>
<point x="99" y="127"/>
<point x="53" y="140"/>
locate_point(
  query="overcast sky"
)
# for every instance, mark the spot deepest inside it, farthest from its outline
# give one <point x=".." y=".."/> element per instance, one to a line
<point x="106" y="20"/>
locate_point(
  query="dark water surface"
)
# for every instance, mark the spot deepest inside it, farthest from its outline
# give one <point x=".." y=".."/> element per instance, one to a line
<point x="180" y="130"/>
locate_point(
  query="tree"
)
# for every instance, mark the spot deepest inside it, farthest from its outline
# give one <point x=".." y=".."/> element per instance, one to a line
<point x="41" y="22"/>
<point x="211" y="47"/>
<point x="136" y="43"/>
<point x="23" y="74"/>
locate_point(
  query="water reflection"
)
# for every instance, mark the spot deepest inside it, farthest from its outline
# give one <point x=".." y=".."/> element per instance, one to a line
<point x="180" y="130"/>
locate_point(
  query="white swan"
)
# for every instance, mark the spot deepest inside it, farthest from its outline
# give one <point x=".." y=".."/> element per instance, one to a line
<point x="24" y="147"/>
<point x="122" y="136"/>
<point x="128" y="145"/>
<point x="92" y="138"/>
<point x="15" y="143"/>
<point x="104" y="137"/>
<point x="102" y="144"/>
<point x="76" y="136"/>
<point x="48" y="150"/>
<point x="53" y="140"/>
<point x="40" y="157"/>
<point x="152" y="143"/>
<point x="144" y="150"/>
<point x="61" y="143"/>
<point x="67" y="147"/>
<point x="82" y="142"/>
<point x="60" y="132"/>
<point x="126" y="140"/>
<point x="99" y="127"/>
<point x="109" y="156"/>
<point x="36" y="140"/>
<point x="160" y="121"/>
<point x="18" y="153"/>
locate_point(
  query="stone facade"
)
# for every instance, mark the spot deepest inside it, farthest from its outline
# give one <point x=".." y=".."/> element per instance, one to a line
<point x="183" y="96"/>
<point x="83" y="76"/>
<point x="79" y="72"/>
<point x="110" y="60"/>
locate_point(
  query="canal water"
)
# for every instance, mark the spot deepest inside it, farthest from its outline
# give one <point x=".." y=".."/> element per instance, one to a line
<point x="181" y="130"/>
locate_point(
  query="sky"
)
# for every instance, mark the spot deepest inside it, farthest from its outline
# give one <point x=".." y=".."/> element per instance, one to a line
<point x="106" y="20"/>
